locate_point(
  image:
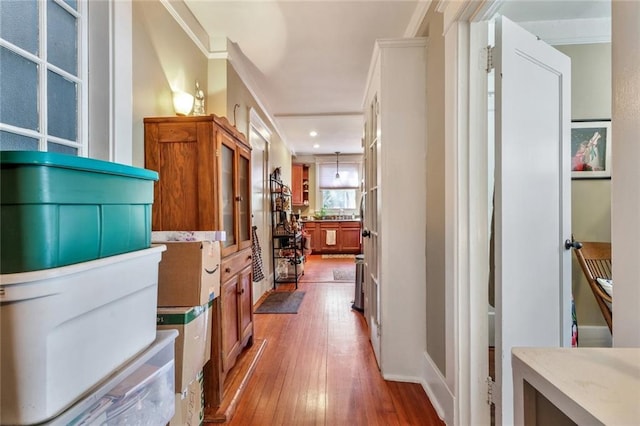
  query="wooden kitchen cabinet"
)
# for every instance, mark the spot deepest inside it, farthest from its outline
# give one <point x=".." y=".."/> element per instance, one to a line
<point x="347" y="236"/>
<point x="204" y="164"/>
<point x="296" y="184"/>
<point x="299" y="185"/>
<point x="350" y="237"/>
<point x="325" y="227"/>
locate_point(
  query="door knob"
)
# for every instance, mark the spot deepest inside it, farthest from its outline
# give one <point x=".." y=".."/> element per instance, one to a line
<point x="366" y="233"/>
<point x="569" y="244"/>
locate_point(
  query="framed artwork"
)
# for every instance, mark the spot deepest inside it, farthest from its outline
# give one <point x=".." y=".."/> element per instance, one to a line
<point x="591" y="149"/>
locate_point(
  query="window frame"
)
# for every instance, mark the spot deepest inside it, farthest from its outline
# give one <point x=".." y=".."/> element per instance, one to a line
<point x="331" y="161"/>
<point x="44" y="66"/>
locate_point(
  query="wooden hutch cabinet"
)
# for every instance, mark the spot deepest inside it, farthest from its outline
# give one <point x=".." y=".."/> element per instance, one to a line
<point x="204" y="164"/>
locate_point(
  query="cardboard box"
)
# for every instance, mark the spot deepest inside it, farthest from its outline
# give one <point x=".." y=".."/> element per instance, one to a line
<point x="190" y="404"/>
<point x="189" y="273"/>
<point x="193" y="344"/>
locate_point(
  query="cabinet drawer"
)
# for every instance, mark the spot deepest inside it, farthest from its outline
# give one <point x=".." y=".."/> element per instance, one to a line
<point x="233" y="264"/>
<point x="350" y="225"/>
<point x="331" y="225"/>
<point x="310" y="226"/>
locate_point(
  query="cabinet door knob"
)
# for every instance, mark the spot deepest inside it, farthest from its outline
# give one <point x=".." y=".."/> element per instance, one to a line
<point x="241" y="291"/>
<point x="227" y="270"/>
<point x="239" y="198"/>
<point x="249" y="257"/>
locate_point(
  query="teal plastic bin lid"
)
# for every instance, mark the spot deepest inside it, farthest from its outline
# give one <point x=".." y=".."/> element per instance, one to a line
<point x="51" y="159"/>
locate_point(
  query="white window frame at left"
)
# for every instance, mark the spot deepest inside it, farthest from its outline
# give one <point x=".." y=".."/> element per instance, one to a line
<point x="42" y="133"/>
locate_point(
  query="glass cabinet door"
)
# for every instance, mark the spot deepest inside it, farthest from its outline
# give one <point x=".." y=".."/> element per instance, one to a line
<point x="235" y="194"/>
<point x="227" y="196"/>
<point x="244" y="198"/>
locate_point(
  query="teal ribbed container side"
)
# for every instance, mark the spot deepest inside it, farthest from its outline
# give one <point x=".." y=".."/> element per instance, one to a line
<point x="57" y="210"/>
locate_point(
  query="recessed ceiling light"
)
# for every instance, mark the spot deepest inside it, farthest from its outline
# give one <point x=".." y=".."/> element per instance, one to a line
<point x="313" y="133"/>
<point x="316" y="145"/>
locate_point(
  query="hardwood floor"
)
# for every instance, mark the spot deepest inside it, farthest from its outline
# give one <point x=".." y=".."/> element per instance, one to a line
<point x="318" y="368"/>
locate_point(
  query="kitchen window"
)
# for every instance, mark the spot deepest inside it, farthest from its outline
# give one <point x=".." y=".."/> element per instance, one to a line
<point x="43" y="75"/>
<point x="339" y="193"/>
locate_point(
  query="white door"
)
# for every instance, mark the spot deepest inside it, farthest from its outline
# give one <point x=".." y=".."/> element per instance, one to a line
<point x="371" y="240"/>
<point x="532" y="200"/>
<point x="260" y="199"/>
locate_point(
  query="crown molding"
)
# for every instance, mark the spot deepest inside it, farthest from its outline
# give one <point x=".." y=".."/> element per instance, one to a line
<point x="419" y="13"/>
<point x="233" y="54"/>
<point x="179" y="18"/>
<point x="239" y="61"/>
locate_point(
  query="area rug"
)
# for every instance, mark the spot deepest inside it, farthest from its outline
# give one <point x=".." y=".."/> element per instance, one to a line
<point x="344" y="274"/>
<point x="338" y="256"/>
<point x="281" y="302"/>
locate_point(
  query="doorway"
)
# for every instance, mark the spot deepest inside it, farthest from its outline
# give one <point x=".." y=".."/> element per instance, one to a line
<point x="530" y="206"/>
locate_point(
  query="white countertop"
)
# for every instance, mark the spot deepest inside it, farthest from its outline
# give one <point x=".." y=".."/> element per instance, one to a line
<point x="590" y="385"/>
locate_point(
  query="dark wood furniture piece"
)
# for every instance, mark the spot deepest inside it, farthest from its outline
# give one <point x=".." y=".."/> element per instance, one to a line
<point x="204" y="164"/>
<point x="595" y="260"/>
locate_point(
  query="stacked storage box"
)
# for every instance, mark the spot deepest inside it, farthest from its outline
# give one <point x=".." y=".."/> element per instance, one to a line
<point x="139" y="393"/>
<point x="78" y="288"/>
<point x="189" y="280"/>
<point x="60" y="210"/>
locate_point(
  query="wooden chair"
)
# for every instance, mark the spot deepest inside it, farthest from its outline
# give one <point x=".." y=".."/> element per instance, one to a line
<point x="595" y="261"/>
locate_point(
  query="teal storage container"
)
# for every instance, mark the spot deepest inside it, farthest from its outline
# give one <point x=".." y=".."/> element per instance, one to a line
<point x="57" y="210"/>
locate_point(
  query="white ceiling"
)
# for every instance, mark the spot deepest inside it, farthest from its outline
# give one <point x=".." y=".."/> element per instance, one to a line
<point x="310" y="58"/>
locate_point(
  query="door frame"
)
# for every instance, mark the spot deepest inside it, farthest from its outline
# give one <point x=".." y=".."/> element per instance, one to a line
<point x="468" y="33"/>
<point x="258" y="125"/>
<point x="467" y="260"/>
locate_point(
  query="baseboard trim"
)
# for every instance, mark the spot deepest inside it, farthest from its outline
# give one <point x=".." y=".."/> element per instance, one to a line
<point x="594" y="336"/>
<point x="435" y="385"/>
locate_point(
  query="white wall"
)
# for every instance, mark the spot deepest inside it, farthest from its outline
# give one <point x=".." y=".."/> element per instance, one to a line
<point x="435" y="189"/>
<point x="165" y="59"/>
<point x="626" y="173"/>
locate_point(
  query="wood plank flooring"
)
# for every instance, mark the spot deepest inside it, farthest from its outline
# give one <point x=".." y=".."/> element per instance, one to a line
<point x="318" y="368"/>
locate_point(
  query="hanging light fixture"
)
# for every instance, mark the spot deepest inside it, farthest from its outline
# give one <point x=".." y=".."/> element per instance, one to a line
<point x="337" y="157"/>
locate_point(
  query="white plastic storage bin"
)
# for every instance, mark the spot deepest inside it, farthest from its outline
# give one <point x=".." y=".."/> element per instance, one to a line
<point x="139" y="393"/>
<point x="63" y="330"/>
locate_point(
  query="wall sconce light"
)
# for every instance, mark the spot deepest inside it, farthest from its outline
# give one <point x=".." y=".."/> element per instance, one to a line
<point x="182" y="102"/>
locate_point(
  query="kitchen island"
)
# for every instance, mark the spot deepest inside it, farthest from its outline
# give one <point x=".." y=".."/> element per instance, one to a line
<point x="334" y="236"/>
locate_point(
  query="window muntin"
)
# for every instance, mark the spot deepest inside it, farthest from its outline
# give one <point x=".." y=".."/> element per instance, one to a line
<point x="41" y="76"/>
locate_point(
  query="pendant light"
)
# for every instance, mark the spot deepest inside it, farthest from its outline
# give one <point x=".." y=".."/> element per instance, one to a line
<point x="337" y="158"/>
